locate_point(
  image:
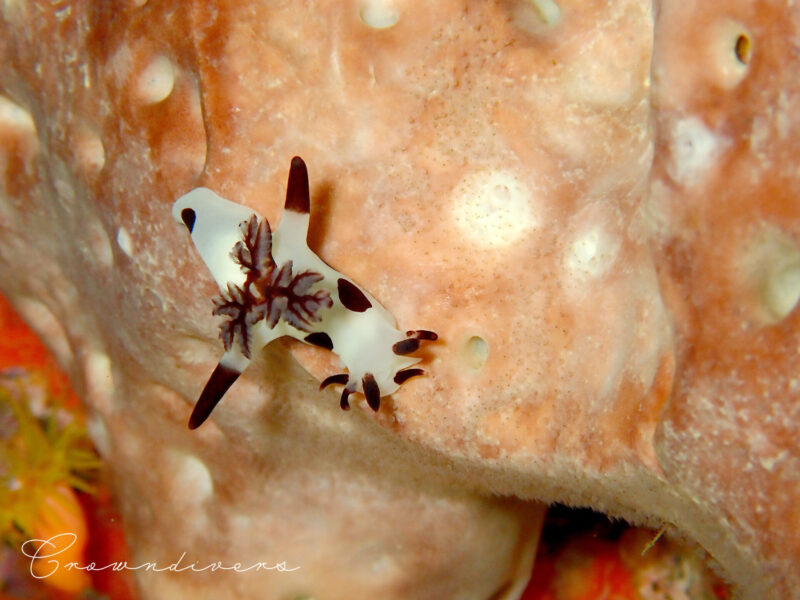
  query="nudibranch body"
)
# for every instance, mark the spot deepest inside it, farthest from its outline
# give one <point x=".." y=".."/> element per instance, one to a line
<point x="272" y="284"/>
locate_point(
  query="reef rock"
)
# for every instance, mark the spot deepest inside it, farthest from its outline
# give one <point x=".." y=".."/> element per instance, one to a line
<point x="593" y="204"/>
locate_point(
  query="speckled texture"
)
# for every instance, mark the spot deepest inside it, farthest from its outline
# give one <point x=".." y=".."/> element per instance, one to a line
<point x="592" y="203"/>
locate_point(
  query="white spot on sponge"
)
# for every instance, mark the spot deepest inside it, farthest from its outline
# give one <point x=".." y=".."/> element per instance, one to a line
<point x="157" y="80"/>
<point x="493" y="208"/>
<point x="591" y="254"/>
<point x="548" y="11"/>
<point x="694" y="151"/>
<point x="379" y="14"/>
<point x="771" y="268"/>
<point x="100" y="381"/>
<point x="782" y="290"/>
<point x="124" y="241"/>
<point x="13" y="115"/>
<point x="475" y="352"/>
<point x="535" y="16"/>
<point x="191" y="478"/>
<point x="594" y="248"/>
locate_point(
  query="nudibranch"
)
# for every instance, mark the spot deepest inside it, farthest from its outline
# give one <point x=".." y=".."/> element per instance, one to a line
<point x="272" y="284"/>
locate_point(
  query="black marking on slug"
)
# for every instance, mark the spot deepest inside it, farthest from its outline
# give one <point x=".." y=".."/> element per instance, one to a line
<point x="234" y="303"/>
<point x="253" y="252"/>
<point x="343" y="403"/>
<point x="331" y="379"/>
<point x="371" y="391"/>
<point x="321" y="339"/>
<point x="269" y="293"/>
<point x="297" y="195"/>
<point x="406" y="347"/>
<point x="402" y="376"/>
<point x="221" y="379"/>
<point x="351" y="297"/>
<point x="423" y="334"/>
<point x="188" y="217"/>
<point x="286" y="297"/>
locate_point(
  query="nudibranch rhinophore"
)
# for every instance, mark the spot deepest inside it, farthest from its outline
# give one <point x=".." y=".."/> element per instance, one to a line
<point x="272" y="284"/>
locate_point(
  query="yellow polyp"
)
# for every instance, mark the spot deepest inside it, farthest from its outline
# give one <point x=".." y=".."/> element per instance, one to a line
<point x="45" y="455"/>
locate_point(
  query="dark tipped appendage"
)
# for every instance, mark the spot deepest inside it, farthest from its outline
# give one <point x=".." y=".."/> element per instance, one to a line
<point x="319" y="339"/>
<point x="351" y="297"/>
<point x="402" y="376"/>
<point x="297" y="196"/>
<point x="338" y="378"/>
<point x="371" y="391"/>
<point x="188" y="217"/>
<point x="423" y="334"/>
<point x="406" y="347"/>
<point x="344" y="403"/>
<point x="220" y="381"/>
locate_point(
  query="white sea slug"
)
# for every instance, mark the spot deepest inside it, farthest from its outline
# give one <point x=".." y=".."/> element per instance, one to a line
<point x="272" y="284"/>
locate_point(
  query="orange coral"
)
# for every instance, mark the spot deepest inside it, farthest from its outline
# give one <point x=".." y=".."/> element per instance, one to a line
<point x="634" y="567"/>
<point x="20" y="348"/>
<point x="61" y="536"/>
